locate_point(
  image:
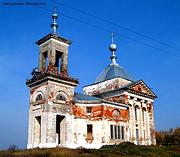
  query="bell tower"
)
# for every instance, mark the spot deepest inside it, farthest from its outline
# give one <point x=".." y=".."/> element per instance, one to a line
<point x="53" y="56"/>
<point x="51" y="93"/>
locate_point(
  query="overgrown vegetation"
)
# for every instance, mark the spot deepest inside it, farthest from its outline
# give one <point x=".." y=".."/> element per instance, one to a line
<point x="121" y="150"/>
<point x="170" y="137"/>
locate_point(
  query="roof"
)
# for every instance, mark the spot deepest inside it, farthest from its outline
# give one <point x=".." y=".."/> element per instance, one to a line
<point x="83" y="97"/>
<point x="54" y="36"/>
<point x="112" y="71"/>
<point x="89" y="99"/>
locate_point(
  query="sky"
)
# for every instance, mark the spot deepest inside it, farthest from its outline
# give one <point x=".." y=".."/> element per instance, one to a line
<point x="156" y="63"/>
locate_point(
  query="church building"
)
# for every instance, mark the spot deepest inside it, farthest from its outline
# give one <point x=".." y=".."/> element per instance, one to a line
<point x="115" y="108"/>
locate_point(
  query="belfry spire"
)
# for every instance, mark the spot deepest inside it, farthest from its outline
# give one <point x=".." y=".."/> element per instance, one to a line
<point x="113" y="48"/>
<point x="54" y="25"/>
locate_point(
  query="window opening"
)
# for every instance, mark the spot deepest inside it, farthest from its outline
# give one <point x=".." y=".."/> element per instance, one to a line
<point x="116" y="132"/>
<point x="111" y="130"/>
<point x="60" y="97"/>
<point x="45" y="60"/>
<point x="89" y="132"/>
<point x="89" y="128"/>
<point x="58" y="61"/>
<point x="122" y="132"/>
<point x="89" y="109"/>
<point x="119" y="133"/>
<point x="39" y="97"/>
<point x="116" y="113"/>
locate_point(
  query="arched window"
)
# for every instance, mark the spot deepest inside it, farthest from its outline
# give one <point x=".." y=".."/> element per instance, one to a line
<point x="60" y="97"/>
<point x="116" y="113"/>
<point x="39" y="97"/>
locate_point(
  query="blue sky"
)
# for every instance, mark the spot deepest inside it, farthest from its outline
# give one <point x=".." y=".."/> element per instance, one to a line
<point x="23" y="25"/>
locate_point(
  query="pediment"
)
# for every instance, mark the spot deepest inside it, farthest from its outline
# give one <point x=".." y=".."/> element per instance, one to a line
<point x="142" y="88"/>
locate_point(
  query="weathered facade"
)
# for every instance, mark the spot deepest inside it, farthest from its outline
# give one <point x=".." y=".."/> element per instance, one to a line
<point x="114" y="109"/>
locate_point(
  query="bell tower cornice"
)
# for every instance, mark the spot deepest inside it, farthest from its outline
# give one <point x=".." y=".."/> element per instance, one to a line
<point x="53" y="36"/>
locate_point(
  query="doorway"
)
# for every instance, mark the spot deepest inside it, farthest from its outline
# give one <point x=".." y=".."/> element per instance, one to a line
<point x="60" y="129"/>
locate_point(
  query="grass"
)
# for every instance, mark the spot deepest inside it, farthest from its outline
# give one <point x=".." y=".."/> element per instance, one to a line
<point x="121" y="150"/>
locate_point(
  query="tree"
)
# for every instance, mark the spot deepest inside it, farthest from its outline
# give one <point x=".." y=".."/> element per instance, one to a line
<point x="170" y="137"/>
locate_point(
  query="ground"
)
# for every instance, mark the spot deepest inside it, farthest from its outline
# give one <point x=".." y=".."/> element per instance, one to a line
<point x="122" y="150"/>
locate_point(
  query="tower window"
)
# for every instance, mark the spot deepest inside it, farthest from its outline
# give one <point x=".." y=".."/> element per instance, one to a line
<point x="58" y="61"/>
<point x="39" y="97"/>
<point x="60" y="97"/>
<point x="45" y="60"/>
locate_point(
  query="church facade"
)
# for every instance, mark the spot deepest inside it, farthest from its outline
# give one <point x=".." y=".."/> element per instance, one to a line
<point x="114" y="109"/>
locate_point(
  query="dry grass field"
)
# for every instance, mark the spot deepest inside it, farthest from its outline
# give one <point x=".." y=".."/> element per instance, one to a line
<point x="122" y="150"/>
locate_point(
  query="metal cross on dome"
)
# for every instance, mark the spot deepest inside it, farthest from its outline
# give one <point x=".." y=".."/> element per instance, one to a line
<point x="113" y="48"/>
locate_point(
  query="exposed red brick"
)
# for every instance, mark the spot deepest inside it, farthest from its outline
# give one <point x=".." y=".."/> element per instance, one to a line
<point x="100" y="111"/>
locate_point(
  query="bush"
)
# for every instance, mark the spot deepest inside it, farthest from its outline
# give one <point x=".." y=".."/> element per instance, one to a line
<point x="13" y="147"/>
